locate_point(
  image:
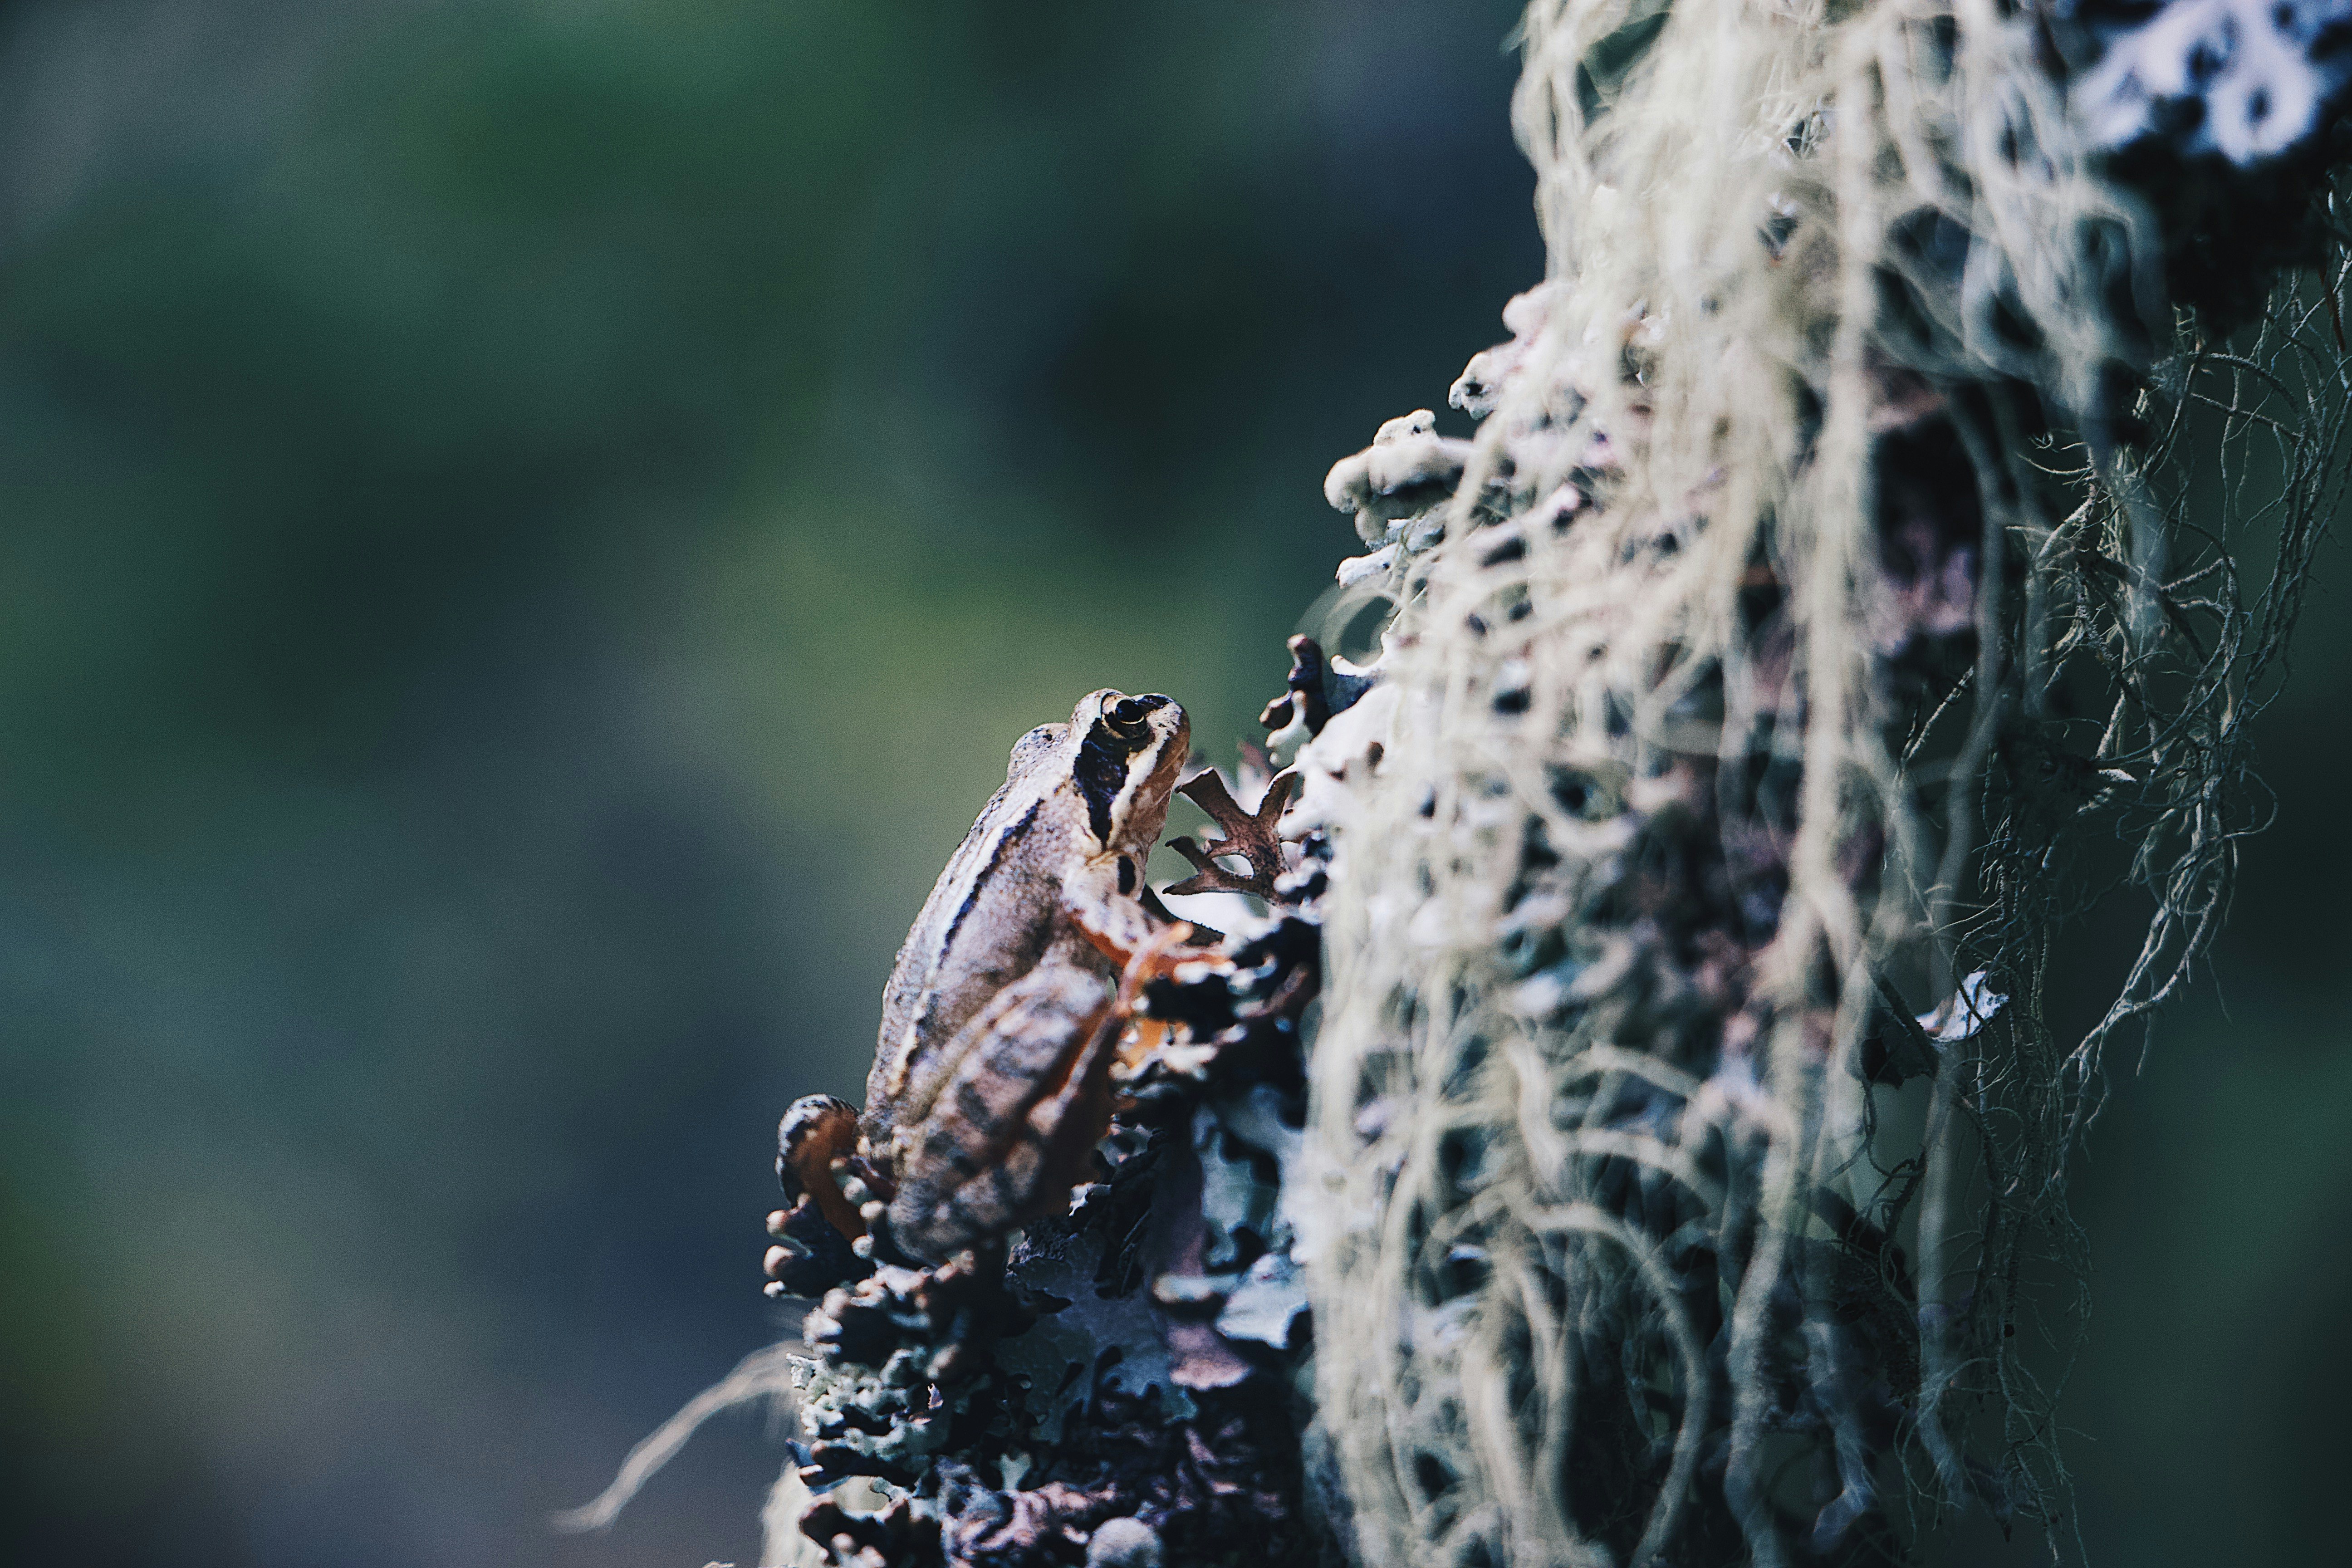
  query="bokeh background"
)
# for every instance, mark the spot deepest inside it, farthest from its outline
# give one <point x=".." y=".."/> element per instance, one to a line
<point x="526" y="530"/>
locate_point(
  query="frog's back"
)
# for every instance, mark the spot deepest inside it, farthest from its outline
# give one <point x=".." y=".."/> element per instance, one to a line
<point x="989" y="919"/>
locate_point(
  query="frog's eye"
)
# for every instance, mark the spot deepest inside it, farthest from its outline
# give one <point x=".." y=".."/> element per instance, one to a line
<point x="1126" y="717"/>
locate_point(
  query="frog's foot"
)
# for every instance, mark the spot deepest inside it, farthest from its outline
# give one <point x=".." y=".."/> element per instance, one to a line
<point x="1155" y="960"/>
<point x="813" y="1234"/>
<point x="1140" y="1034"/>
<point x="1249" y="835"/>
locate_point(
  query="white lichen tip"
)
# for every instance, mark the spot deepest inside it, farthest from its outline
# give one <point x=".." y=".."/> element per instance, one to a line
<point x="1408" y="470"/>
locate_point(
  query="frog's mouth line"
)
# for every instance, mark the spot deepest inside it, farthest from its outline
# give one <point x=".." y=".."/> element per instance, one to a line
<point x="1101" y="771"/>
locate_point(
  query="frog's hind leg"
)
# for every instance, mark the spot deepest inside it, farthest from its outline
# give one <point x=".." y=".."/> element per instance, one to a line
<point x="814" y="1233"/>
<point x="1009" y="1133"/>
<point x="817" y="1130"/>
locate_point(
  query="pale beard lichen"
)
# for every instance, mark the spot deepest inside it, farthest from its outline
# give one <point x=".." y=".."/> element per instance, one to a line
<point x="1846" y="553"/>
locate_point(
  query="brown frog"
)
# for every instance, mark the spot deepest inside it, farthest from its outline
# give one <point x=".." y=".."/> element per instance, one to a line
<point x="991" y="1074"/>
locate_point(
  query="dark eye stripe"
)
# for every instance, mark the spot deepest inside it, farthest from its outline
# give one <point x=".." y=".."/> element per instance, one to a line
<point x="1126" y="875"/>
<point x="1101" y="774"/>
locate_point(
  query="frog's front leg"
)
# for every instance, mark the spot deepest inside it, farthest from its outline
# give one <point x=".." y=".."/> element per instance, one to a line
<point x="1111" y="907"/>
<point x="1023" y="1097"/>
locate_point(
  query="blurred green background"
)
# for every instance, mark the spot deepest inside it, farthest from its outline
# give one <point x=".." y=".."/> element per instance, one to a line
<point x="526" y="530"/>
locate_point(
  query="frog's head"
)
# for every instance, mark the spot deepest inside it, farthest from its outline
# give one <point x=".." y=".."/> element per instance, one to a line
<point x="1128" y="752"/>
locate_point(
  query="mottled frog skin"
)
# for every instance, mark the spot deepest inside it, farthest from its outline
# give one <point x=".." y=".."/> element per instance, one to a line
<point x="991" y="1082"/>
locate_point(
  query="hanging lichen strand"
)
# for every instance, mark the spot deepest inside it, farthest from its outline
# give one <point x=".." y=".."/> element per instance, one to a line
<point x="1838" y="593"/>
